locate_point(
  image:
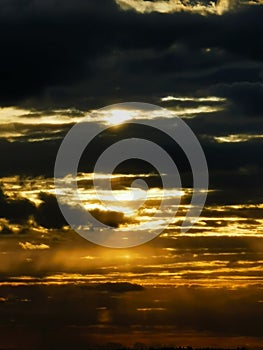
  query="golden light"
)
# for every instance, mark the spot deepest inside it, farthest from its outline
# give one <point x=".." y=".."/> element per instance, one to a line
<point x="127" y="195"/>
<point x="118" y="116"/>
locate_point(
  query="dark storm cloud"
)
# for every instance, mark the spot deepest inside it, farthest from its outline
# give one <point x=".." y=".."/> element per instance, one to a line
<point x="72" y="53"/>
<point x="45" y="44"/>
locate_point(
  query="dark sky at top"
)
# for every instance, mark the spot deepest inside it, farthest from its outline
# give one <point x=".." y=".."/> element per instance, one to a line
<point x="85" y="54"/>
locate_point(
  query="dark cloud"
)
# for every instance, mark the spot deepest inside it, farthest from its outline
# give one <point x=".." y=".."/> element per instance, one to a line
<point x="117" y="287"/>
<point x="48" y="213"/>
<point x="20" y="210"/>
<point x="81" y="54"/>
<point x="111" y="218"/>
<point x="232" y="166"/>
<point x="45" y="47"/>
<point x="131" y="316"/>
<point x="16" y="210"/>
<point x="28" y="158"/>
<point x="246" y="98"/>
<point x="5" y="230"/>
<point x="213" y="243"/>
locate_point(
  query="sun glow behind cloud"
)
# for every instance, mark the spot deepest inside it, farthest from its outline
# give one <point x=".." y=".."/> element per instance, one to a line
<point x="38" y="126"/>
<point x="118" y="116"/>
<point x="129" y="210"/>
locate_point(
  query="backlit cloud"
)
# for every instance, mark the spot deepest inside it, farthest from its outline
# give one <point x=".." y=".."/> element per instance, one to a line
<point x="171" y="6"/>
<point x="31" y="246"/>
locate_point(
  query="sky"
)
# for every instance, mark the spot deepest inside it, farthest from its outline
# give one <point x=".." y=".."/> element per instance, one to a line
<point x="62" y="61"/>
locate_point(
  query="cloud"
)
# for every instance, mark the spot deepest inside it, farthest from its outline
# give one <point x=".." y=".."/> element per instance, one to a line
<point x="233" y="138"/>
<point x="48" y="213"/>
<point x="84" y="68"/>
<point x="31" y="246"/>
<point x="171" y="6"/>
<point x="5" y="230"/>
<point x="20" y="210"/>
<point x="15" y="210"/>
<point x="112" y="218"/>
<point x="117" y="287"/>
<point x="245" y="97"/>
